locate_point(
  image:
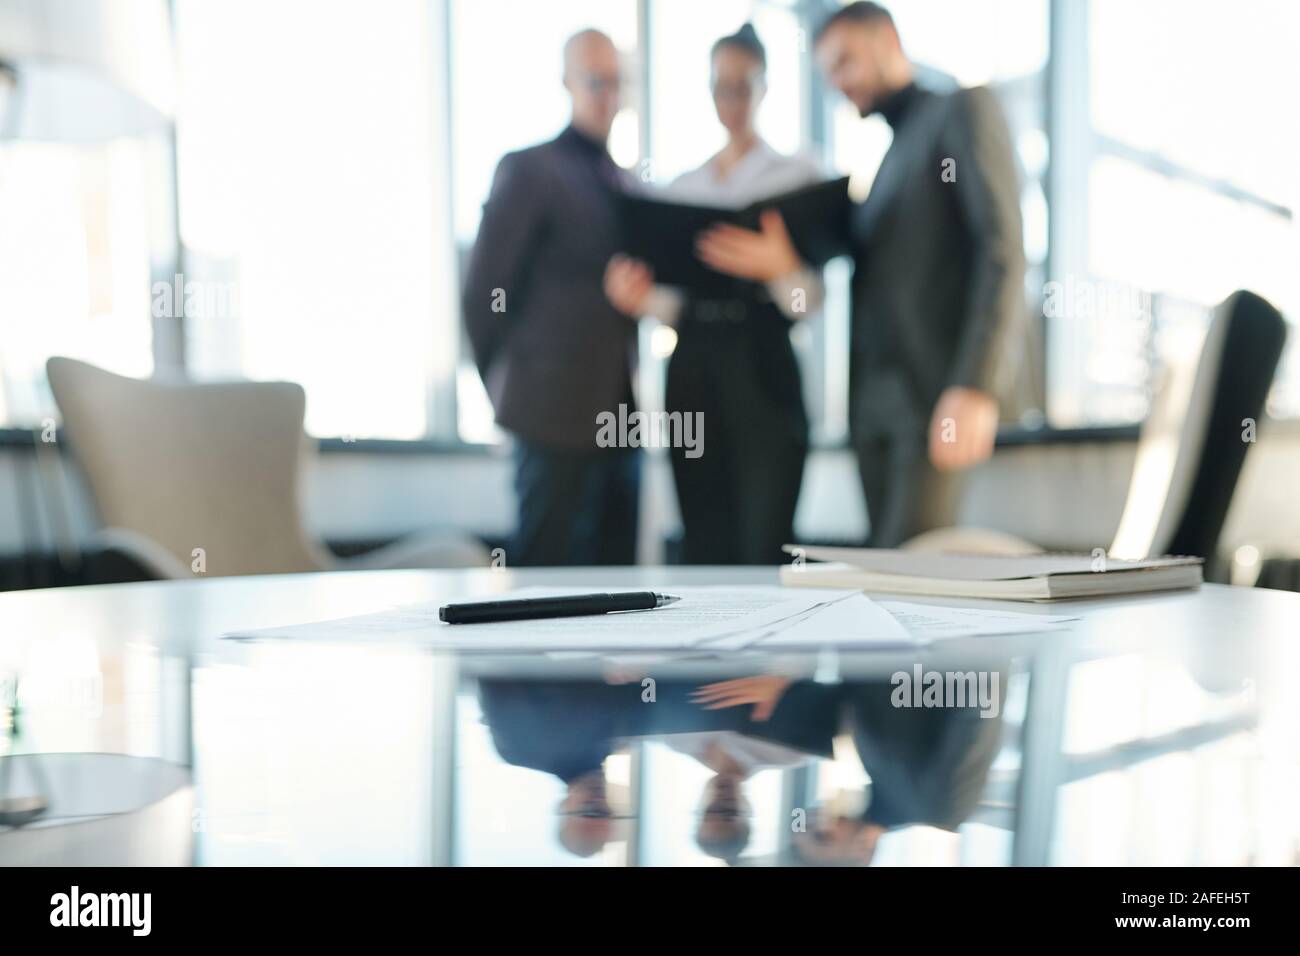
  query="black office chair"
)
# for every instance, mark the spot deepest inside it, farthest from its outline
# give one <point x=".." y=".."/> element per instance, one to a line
<point x="1191" y="449"/>
<point x="1189" y="457"/>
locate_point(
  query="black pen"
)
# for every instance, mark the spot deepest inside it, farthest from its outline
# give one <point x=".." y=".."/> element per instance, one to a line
<point x="569" y="605"/>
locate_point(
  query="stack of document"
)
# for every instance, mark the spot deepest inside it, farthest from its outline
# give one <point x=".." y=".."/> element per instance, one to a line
<point x="1034" y="577"/>
<point x="706" y="619"/>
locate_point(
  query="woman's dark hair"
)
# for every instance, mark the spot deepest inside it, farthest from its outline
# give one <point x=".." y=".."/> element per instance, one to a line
<point x="745" y="39"/>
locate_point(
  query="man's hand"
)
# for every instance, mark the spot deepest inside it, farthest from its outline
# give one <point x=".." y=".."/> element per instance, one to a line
<point x="763" y="692"/>
<point x="963" y="428"/>
<point x="762" y="256"/>
<point x="628" y="284"/>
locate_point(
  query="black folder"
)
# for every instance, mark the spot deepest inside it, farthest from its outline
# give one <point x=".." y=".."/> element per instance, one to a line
<point x="663" y="233"/>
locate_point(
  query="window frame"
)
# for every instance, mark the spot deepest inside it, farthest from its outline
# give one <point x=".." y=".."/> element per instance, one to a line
<point x="1074" y="147"/>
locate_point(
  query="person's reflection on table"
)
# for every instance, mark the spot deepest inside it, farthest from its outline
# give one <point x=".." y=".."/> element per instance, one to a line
<point x="567" y="729"/>
<point x="794" y="733"/>
<point x="736" y="744"/>
<point x="927" y="765"/>
<point x="586" y="820"/>
<point x="723" y="827"/>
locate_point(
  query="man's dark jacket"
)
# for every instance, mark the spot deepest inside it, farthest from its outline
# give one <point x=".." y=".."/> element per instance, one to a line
<point x="938" y="282"/>
<point x="552" y="350"/>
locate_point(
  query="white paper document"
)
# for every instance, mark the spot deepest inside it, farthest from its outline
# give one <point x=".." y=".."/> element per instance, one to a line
<point x="927" y="622"/>
<point x="847" y="619"/>
<point x="705" y="614"/>
<point x="707" y="619"/>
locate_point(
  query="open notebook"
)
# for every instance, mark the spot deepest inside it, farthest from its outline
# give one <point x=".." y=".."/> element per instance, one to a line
<point x="1034" y="577"/>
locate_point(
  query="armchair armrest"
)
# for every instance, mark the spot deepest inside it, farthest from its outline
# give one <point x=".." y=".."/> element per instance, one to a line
<point x="425" y="549"/>
<point x="143" y="550"/>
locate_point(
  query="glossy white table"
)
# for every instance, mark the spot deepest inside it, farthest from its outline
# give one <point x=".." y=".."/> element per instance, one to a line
<point x="320" y="753"/>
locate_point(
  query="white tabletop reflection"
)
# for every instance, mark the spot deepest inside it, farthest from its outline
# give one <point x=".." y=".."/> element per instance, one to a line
<point x="1156" y="729"/>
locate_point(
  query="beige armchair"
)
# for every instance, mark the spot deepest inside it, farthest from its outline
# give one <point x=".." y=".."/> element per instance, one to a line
<point x="186" y="472"/>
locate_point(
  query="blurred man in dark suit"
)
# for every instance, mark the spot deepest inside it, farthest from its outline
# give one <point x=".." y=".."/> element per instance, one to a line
<point x="552" y="350"/>
<point x="938" y="281"/>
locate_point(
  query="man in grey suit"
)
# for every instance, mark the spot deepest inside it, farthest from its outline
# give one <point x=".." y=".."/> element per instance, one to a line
<point x="552" y="350"/>
<point x="938" y="280"/>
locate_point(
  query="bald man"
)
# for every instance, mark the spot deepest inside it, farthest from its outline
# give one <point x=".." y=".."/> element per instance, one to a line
<point x="553" y="352"/>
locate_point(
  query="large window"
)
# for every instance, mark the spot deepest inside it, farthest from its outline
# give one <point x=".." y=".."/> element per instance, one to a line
<point x="312" y="187"/>
<point x="1177" y="189"/>
<point x="84" y="230"/>
<point x="333" y="159"/>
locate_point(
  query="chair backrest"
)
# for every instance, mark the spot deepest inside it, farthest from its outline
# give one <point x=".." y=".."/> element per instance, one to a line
<point x="190" y="466"/>
<point x="1193" y="443"/>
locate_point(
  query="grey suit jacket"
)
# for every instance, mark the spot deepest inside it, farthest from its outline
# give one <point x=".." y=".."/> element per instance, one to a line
<point x="551" y="349"/>
<point x="938" y="282"/>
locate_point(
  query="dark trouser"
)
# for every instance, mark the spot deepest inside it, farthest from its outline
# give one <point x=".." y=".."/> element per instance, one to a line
<point x="905" y="494"/>
<point x="928" y="764"/>
<point x="575" y="507"/>
<point x="737" y="499"/>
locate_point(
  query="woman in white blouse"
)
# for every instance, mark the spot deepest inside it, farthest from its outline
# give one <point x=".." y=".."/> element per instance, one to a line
<point x="733" y="361"/>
